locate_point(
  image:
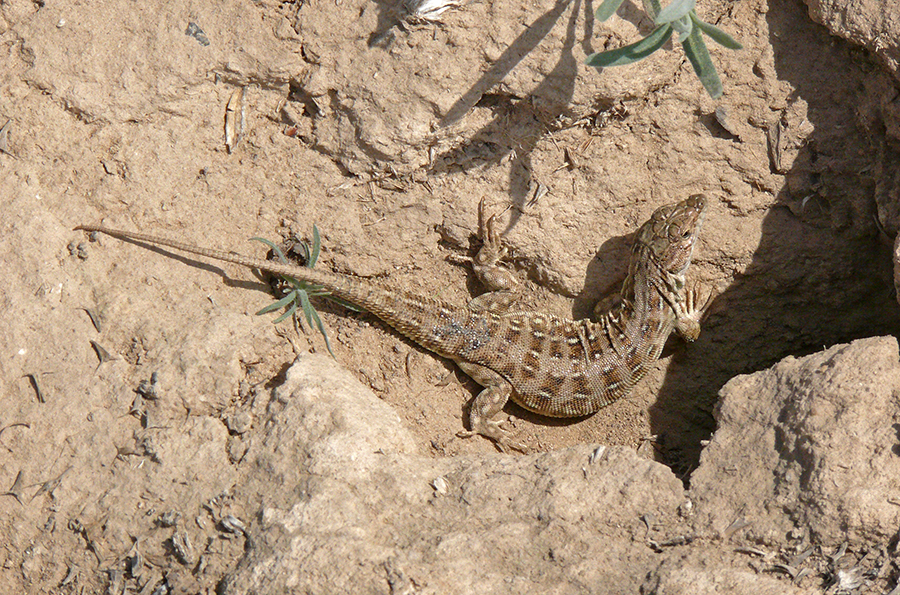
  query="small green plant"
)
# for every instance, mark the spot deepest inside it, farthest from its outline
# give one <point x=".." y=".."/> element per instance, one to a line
<point x="678" y="17"/>
<point x="298" y="296"/>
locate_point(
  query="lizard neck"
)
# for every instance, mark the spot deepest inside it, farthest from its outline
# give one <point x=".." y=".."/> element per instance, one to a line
<point x="648" y="294"/>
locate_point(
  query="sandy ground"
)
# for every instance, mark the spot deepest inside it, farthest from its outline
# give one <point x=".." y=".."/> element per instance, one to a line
<point x="386" y="135"/>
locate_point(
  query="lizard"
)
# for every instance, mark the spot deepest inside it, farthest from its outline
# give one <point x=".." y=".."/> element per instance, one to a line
<point x="549" y="365"/>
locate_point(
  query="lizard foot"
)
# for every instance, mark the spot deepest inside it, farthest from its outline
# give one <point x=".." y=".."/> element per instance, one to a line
<point x="607" y="304"/>
<point x="690" y="312"/>
<point x="494" y="431"/>
<point x="459" y="259"/>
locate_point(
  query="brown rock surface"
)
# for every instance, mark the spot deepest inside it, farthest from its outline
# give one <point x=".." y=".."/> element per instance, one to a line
<point x="809" y="446"/>
<point x="349" y="506"/>
<point x="873" y="24"/>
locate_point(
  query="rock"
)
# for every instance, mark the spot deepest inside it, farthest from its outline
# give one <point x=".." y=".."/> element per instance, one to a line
<point x="873" y="24"/>
<point x="240" y="422"/>
<point x="809" y="445"/>
<point x="897" y="266"/>
<point x="350" y="507"/>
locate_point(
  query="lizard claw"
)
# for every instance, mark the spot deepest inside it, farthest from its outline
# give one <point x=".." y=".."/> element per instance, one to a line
<point x="689" y="313"/>
<point x="459" y="259"/>
<point x="506" y="445"/>
<point x="693" y="298"/>
<point x="494" y="431"/>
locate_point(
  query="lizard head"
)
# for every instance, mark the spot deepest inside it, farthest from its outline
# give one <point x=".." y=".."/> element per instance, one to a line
<point x="671" y="232"/>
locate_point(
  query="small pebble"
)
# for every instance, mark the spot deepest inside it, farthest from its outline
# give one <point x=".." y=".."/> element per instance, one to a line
<point x="240" y="423"/>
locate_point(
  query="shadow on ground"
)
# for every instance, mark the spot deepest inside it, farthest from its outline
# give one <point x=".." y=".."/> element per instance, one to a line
<point x="821" y="275"/>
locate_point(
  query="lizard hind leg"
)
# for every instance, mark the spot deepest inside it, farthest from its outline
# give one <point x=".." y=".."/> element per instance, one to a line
<point x="487" y="404"/>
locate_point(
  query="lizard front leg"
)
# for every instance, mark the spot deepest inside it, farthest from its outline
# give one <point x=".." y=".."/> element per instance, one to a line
<point x="487" y="404"/>
<point x="500" y="282"/>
